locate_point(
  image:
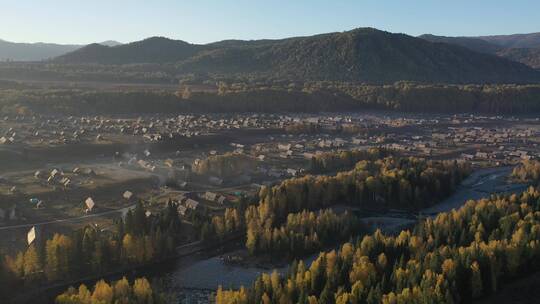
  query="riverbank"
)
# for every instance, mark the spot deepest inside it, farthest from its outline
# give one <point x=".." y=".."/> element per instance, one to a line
<point x="195" y="277"/>
<point x="189" y="282"/>
<point x="185" y="255"/>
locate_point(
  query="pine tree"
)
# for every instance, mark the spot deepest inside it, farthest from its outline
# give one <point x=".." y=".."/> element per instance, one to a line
<point x="476" y="280"/>
<point x="103" y="293"/>
<point x="122" y="291"/>
<point x="142" y="291"/>
<point x="32" y="265"/>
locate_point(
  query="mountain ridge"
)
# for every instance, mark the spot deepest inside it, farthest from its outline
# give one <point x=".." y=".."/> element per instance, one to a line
<point x="363" y="54"/>
<point x="529" y="40"/>
<point x="160" y="48"/>
<point x="523" y="48"/>
<point x="38" y="51"/>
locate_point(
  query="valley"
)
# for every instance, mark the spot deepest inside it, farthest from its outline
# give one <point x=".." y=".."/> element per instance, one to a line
<point x="269" y="152"/>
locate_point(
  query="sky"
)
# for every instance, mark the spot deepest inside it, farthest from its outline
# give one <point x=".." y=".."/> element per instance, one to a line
<point x="203" y="21"/>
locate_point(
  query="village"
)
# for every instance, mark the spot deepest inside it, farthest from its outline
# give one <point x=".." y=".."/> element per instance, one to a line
<point x="272" y="152"/>
<point x="114" y="162"/>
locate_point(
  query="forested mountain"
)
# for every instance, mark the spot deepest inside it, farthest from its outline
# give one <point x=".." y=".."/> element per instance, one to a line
<point x="531" y="40"/>
<point x="150" y="50"/>
<point x="38" y="51"/>
<point x="310" y="97"/>
<point x="473" y="43"/>
<point x="363" y="54"/>
<point x="523" y="48"/>
<point x="490" y="44"/>
<point x="457" y="257"/>
<point x="528" y="56"/>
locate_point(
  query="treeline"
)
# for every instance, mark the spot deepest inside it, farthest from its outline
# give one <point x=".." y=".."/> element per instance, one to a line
<point x="402" y="183"/>
<point x="304" y="128"/>
<point x="67" y="101"/>
<point x="133" y="73"/>
<point x="504" y="99"/>
<point x="316" y="128"/>
<point x="411" y="97"/>
<point x="527" y="171"/>
<point x="118" y="292"/>
<point x="77" y="102"/>
<point x="138" y="239"/>
<point x="282" y="97"/>
<point x="391" y="182"/>
<point x="231" y="222"/>
<point x="226" y="165"/>
<point x="459" y="256"/>
<point x="218" y="227"/>
<point x="344" y="160"/>
<point x="302" y="233"/>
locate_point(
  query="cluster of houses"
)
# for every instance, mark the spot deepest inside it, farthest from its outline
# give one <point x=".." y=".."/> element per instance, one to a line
<point x="481" y="143"/>
<point x="58" y="177"/>
<point x="39" y="130"/>
<point x="191" y="201"/>
<point x="476" y="137"/>
<point x="66" y="130"/>
<point x="185" y="203"/>
<point x="54" y="177"/>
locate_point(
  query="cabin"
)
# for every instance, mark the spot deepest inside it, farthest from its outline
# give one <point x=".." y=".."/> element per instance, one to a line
<point x="127" y="195"/>
<point x="284" y="147"/>
<point x="221" y="200"/>
<point x="292" y="172"/>
<point x="191" y="204"/>
<point x="210" y="196"/>
<point x="89" y="204"/>
<point x="182" y="210"/>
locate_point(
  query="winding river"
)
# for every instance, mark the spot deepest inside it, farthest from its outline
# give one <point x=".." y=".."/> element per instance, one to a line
<point x="194" y="280"/>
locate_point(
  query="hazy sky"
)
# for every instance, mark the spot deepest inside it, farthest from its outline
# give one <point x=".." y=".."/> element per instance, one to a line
<point x="201" y="21"/>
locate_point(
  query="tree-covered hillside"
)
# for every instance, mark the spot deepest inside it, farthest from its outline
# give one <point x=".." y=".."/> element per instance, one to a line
<point x="519" y="48"/>
<point x="456" y="257"/>
<point x="363" y="54"/>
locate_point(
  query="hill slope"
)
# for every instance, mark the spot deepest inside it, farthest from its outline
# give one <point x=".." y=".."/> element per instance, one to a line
<point x="38" y="51"/>
<point x="150" y="50"/>
<point x="531" y="40"/>
<point x="523" y="48"/>
<point x="528" y="56"/>
<point x="473" y="43"/>
<point x="361" y="55"/>
<point x="32" y="51"/>
<point x="364" y="54"/>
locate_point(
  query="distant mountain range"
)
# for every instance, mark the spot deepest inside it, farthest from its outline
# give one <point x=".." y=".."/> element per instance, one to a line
<point x="524" y="48"/>
<point x="39" y="51"/>
<point x="150" y="50"/>
<point x="531" y="40"/>
<point x="363" y="54"/>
